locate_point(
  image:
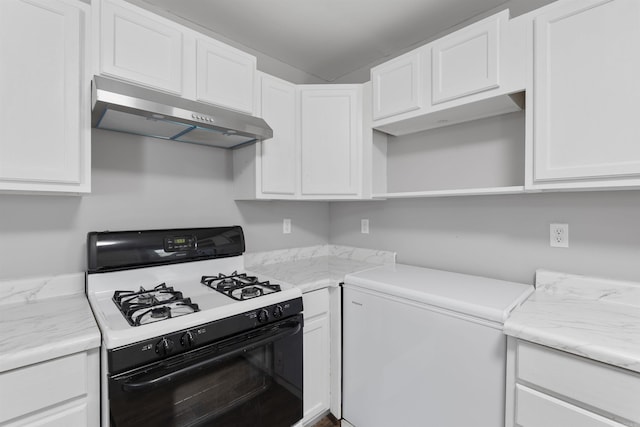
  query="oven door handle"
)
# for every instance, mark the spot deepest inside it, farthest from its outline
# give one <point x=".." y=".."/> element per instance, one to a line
<point x="284" y="330"/>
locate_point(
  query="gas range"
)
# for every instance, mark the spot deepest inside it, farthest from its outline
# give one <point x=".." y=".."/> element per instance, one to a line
<point x="177" y="312"/>
<point x="203" y="304"/>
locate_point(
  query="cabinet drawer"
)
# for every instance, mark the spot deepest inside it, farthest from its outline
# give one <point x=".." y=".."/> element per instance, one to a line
<point x="315" y="303"/>
<point x="539" y="410"/>
<point x="601" y="386"/>
<point x="38" y="386"/>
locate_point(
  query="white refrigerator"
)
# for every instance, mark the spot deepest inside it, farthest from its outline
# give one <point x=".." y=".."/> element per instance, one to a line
<point x="425" y="347"/>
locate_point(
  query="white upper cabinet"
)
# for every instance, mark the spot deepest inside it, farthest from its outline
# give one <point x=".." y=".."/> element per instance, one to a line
<point x="322" y="144"/>
<point x="587" y="63"/>
<point x="399" y="84"/>
<point x="331" y="140"/>
<point x="279" y="161"/>
<point x="467" y="61"/>
<point x="467" y="75"/>
<point x="141" y="47"/>
<point x="44" y="68"/>
<point x="144" y="48"/>
<point x="270" y="169"/>
<point x="225" y="75"/>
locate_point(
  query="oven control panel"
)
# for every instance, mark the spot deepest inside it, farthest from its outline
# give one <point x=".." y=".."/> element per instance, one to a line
<point x="181" y="341"/>
<point x="180" y="243"/>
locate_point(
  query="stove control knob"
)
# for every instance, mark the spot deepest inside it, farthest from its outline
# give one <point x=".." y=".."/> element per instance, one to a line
<point x="188" y="339"/>
<point x="164" y="347"/>
<point x="277" y="311"/>
<point x="263" y="316"/>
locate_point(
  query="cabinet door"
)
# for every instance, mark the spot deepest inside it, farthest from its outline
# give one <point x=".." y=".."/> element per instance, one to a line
<point x="535" y="409"/>
<point x="279" y="155"/>
<point x="398" y="85"/>
<point x="44" y="96"/>
<point x="317" y="341"/>
<point x="141" y="47"/>
<point x="587" y="63"/>
<point x="467" y="61"/>
<point x="225" y="75"/>
<point x="331" y="139"/>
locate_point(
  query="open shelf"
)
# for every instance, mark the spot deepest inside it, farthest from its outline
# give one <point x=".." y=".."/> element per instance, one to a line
<point x="516" y="189"/>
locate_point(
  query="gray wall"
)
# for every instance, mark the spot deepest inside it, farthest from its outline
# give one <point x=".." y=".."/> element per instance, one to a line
<point x="505" y="236"/>
<point x="143" y="183"/>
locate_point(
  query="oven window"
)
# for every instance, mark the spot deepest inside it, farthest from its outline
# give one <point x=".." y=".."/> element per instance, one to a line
<point x="261" y="387"/>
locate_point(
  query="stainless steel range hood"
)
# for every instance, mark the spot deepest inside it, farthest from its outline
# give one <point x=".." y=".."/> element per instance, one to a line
<point x="125" y="107"/>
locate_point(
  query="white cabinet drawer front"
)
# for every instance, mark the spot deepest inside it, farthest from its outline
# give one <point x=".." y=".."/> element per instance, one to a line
<point x="315" y="303"/>
<point x="585" y="110"/>
<point x="225" y="76"/>
<point x="467" y="61"/>
<point x="536" y="409"/>
<point x="601" y="386"/>
<point x="141" y="48"/>
<point x="34" y="387"/>
<point x="398" y="85"/>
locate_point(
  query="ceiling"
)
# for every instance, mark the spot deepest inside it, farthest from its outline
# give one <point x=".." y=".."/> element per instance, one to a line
<point x="328" y="38"/>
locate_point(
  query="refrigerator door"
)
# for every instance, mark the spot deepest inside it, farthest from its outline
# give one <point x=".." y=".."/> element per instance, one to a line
<point x="410" y="364"/>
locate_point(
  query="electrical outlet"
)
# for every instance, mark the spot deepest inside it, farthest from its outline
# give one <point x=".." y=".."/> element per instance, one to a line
<point x="286" y="226"/>
<point x="559" y="235"/>
<point x="364" y="226"/>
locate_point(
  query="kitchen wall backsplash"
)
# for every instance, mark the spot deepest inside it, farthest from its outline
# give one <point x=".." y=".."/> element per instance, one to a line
<point x="371" y="256"/>
<point x="504" y="237"/>
<point x="144" y="183"/>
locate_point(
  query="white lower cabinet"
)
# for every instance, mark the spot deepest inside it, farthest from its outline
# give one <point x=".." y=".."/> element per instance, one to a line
<point x="317" y="364"/>
<point x="57" y="393"/>
<point x="44" y="93"/>
<point x="537" y="409"/>
<point x="551" y="388"/>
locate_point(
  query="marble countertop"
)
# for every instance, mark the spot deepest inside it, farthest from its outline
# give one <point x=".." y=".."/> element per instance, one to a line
<point x="34" y="329"/>
<point x="315" y="267"/>
<point x="590" y="317"/>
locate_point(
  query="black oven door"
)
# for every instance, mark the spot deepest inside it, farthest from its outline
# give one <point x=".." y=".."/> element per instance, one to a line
<point x="251" y="379"/>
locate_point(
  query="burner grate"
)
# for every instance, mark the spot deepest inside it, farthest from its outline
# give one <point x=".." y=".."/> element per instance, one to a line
<point x="239" y="286"/>
<point x="152" y="305"/>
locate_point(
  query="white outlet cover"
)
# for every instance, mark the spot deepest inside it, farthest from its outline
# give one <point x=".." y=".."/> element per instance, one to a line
<point x="364" y="226"/>
<point x="286" y="226"/>
<point x="559" y="235"/>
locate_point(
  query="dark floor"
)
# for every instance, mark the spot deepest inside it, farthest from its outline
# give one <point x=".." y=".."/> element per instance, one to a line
<point x="328" y="421"/>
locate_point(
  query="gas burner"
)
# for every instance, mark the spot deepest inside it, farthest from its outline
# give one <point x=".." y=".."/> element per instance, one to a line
<point x="163" y="312"/>
<point x="146" y="306"/>
<point x="239" y="286"/>
<point x="250" y="292"/>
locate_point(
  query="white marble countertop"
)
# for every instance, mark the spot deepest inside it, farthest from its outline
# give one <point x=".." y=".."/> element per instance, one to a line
<point x="315" y="267"/>
<point x="590" y="317"/>
<point x="34" y="329"/>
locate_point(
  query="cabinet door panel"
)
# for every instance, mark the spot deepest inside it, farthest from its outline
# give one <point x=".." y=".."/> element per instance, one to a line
<point x="330" y="141"/>
<point x="535" y="409"/>
<point x="140" y="47"/>
<point x="398" y="85"/>
<point x="316" y="366"/>
<point x="466" y="62"/>
<point x="586" y="90"/>
<point x="279" y="155"/>
<point x="42" y="69"/>
<point x="225" y="76"/>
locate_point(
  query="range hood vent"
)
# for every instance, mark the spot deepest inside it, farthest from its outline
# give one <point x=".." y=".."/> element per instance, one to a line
<point x="128" y="108"/>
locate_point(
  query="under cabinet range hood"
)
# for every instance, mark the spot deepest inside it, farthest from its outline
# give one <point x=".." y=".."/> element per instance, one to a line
<point x="128" y="108"/>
